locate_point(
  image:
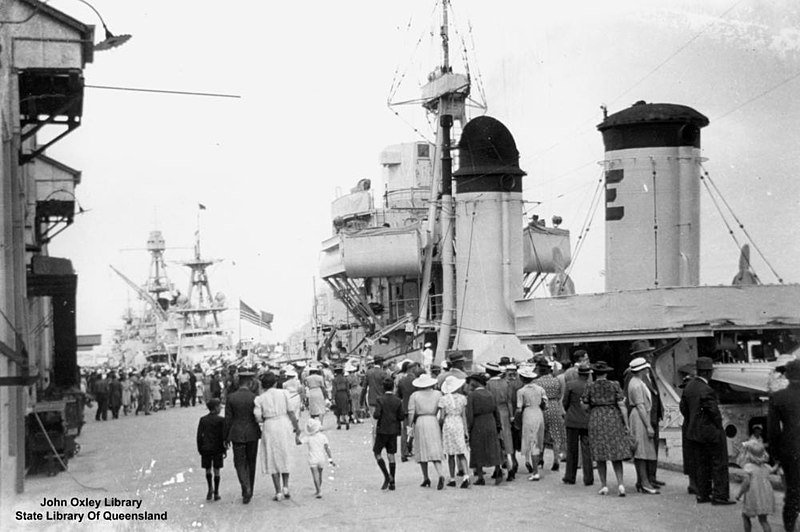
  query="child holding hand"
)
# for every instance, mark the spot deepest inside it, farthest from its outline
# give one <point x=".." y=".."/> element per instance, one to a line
<point x="319" y="452"/>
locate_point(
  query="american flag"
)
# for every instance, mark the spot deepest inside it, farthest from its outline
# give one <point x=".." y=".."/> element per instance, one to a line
<point x="261" y="319"/>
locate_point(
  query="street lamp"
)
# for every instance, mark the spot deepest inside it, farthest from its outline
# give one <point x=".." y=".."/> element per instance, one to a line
<point x="111" y="40"/>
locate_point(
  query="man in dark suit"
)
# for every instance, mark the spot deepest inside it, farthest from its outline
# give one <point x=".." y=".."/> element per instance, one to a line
<point x="373" y="387"/>
<point x="389" y="413"/>
<point x="242" y="430"/>
<point x="705" y="436"/>
<point x="784" y="440"/>
<point x="211" y="446"/>
<point x="577" y="423"/>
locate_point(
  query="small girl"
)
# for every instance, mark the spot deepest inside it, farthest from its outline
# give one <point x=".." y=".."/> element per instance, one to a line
<point x="759" y="500"/>
<point x="318" y="448"/>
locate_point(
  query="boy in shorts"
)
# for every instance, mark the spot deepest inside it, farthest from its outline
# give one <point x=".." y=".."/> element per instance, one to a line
<point x="389" y="415"/>
<point x="211" y="445"/>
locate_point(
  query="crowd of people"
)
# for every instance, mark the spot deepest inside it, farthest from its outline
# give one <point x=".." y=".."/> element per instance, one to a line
<point x="464" y="424"/>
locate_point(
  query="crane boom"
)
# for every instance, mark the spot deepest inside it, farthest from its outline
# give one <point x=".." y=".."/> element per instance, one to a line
<point x="144" y="294"/>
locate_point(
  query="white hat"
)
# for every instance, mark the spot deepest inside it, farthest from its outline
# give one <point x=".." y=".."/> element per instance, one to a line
<point x="424" y="381"/>
<point x="313" y="425"/>
<point x="493" y="367"/>
<point x="290" y="372"/>
<point x="527" y="372"/>
<point x="428" y="344"/>
<point x="349" y="367"/>
<point x="638" y="364"/>
<point x="452" y="383"/>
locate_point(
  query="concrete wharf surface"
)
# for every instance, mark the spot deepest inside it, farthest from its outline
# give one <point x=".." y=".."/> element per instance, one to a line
<point x="154" y="459"/>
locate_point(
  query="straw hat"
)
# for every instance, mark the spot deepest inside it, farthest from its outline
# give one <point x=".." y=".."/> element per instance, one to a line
<point x="494" y="368"/>
<point x="527" y="372"/>
<point x="452" y="383"/>
<point x="638" y="364"/>
<point x="602" y="368"/>
<point x="424" y="381"/>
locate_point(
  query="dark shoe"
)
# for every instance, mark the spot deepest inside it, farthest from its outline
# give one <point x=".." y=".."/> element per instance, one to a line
<point x="440" y="485"/>
<point x="246" y="499"/>
<point x="391" y="485"/>
<point x="511" y="476"/>
<point x="464" y="483"/>
<point x="347" y="427"/>
<point x="701" y="500"/>
<point x="658" y="483"/>
<point x="555" y="467"/>
<point x="404" y="458"/>
<point x="565" y="481"/>
<point x="385" y="484"/>
<point x="588" y="483"/>
<point x="480" y="482"/>
<point x="209" y="495"/>
<point x="451" y="484"/>
<point x="498" y="479"/>
<point x="217" y="497"/>
<point x="425" y="483"/>
<point x="338" y="427"/>
<point x="722" y="502"/>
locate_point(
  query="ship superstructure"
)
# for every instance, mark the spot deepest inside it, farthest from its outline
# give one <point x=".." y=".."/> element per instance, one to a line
<point x="446" y="250"/>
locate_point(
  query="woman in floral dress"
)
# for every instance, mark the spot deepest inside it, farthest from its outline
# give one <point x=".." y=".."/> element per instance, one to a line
<point x="555" y="432"/>
<point x="608" y="425"/>
<point x="452" y="406"/>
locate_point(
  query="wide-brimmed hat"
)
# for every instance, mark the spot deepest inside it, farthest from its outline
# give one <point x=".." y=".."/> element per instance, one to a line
<point x="290" y="372"/>
<point x="452" y="383"/>
<point x="349" y="368"/>
<point x="602" y="368"/>
<point x="480" y="378"/>
<point x="638" y="364"/>
<point x="313" y="425"/>
<point x="511" y="367"/>
<point x="492" y="367"/>
<point x="424" y="381"/>
<point x="704" y="364"/>
<point x="455" y="357"/>
<point x="527" y="372"/>
<point x="640" y="346"/>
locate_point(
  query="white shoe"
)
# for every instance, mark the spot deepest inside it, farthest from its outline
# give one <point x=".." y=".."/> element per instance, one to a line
<point x="603" y="490"/>
<point x="534" y="477"/>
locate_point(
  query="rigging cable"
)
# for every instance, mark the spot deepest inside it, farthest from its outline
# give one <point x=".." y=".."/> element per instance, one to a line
<point x="740" y="224"/>
<point x="587" y="222"/>
<point x="466" y="271"/>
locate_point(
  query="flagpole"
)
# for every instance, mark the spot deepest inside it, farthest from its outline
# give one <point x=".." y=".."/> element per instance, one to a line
<point x="240" y="326"/>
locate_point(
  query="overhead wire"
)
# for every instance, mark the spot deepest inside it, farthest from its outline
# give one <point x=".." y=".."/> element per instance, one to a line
<point x="670" y="57"/>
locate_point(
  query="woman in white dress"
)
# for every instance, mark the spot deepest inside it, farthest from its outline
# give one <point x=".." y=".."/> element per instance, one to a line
<point x="423" y="408"/>
<point x="272" y="407"/>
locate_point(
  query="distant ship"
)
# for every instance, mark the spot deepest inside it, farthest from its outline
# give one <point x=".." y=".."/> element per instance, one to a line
<point x="174" y="328"/>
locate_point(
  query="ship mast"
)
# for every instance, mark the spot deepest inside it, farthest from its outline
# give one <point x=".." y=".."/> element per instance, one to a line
<point x="445" y="96"/>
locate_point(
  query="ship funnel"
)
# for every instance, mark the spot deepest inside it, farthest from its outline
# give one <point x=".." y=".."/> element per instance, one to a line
<point x="488" y="211"/>
<point x="487" y="148"/>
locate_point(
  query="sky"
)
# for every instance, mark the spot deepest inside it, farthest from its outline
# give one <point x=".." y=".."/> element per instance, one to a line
<point x="313" y="79"/>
